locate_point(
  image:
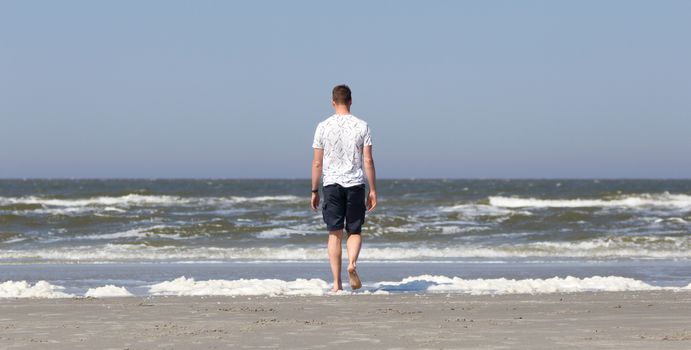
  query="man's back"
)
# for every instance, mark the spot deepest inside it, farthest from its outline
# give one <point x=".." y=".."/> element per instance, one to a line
<point x="342" y="137"/>
<point x="342" y="147"/>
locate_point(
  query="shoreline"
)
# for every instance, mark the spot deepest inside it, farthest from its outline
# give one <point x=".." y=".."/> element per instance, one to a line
<point x="633" y="320"/>
<point x="232" y="278"/>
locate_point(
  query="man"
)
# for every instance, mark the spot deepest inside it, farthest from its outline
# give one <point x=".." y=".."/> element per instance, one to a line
<point x="342" y="146"/>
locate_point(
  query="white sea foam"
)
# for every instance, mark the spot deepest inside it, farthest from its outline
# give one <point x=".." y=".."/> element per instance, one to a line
<point x="480" y="210"/>
<point x="284" y="232"/>
<point x="113" y="203"/>
<point x="108" y="291"/>
<point x="272" y="287"/>
<point x="15" y="240"/>
<point x="266" y="199"/>
<point x="130" y="199"/>
<point x="280" y="232"/>
<point x="144" y="232"/>
<point x="134" y="233"/>
<point x="450" y="230"/>
<point x="645" y="247"/>
<point x="184" y="286"/>
<point x="665" y="200"/>
<point x="23" y="289"/>
<point x="670" y="220"/>
<point x="115" y="209"/>
<point x="141" y="252"/>
<point x="376" y="292"/>
<point x="66" y="211"/>
<point x="480" y="286"/>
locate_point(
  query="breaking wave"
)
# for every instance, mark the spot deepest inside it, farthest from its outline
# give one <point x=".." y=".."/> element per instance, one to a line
<point x="140" y="200"/>
<point x="184" y="286"/>
<point x="614" y="247"/>
<point x="271" y="287"/>
<point x="108" y="291"/>
<point x="481" y="286"/>
<point x="23" y="289"/>
<point x="664" y="200"/>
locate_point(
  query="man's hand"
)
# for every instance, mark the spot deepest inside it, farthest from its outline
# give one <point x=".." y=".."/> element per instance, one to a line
<point x="371" y="201"/>
<point x="315" y="201"/>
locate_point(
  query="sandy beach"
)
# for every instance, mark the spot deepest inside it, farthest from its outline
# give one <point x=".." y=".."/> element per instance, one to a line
<point x="619" y="320"/>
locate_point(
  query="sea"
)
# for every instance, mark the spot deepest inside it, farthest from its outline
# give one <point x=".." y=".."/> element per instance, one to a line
<point x="141" y="237"/>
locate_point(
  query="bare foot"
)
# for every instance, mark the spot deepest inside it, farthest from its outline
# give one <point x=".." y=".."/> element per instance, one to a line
<point x="355" y="282"/>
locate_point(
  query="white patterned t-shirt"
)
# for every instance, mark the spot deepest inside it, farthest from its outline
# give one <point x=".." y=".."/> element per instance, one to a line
<point x="342" y="137"/>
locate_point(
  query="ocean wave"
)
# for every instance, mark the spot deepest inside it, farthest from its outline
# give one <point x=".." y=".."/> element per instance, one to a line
<point x="108" y="291"/>
<point x="141" y="252"/>
<point x="184" y="286"/>
<point x="482" y="210"/>
<point x="616" y="247"/>
<point x="285" y="232"/>
<point x="672" y="220"/>
<point x="271" y="287"/>
<point x="23" y="289"/>
<point x="452" y="230"/>
<point x="665" y="200"/>
<point x="481" y="286"/>
<point x="113" y="203"/>
<point x="130" y="199"/>
<point x="285" y="198"/>
<point x="137" y="233"/>
<point x="280" y="232"/>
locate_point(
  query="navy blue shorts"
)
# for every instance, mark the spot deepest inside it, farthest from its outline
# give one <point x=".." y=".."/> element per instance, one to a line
<point x="344" y="204"/>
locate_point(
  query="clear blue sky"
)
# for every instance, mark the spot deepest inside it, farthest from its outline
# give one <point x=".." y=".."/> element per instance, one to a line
<point x="450" y="88"/>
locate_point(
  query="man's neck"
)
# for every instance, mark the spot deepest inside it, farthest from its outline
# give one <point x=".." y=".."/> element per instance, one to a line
<point x="342" y="110"/>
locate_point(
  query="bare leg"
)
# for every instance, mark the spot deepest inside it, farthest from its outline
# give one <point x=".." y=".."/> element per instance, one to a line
<point x="353" y="244"/>
<point x="334" y="248"/>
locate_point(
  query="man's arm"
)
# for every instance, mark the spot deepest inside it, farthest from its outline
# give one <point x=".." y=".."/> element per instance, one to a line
<point x="371" y="177"/>
<point x="316" y="175"/>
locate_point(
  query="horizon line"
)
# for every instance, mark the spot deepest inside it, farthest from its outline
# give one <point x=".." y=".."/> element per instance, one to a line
<point x="308" y="179"/>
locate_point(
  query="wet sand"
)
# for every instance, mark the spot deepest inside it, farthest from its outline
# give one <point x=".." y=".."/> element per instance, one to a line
<point x="618" y="320"/>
